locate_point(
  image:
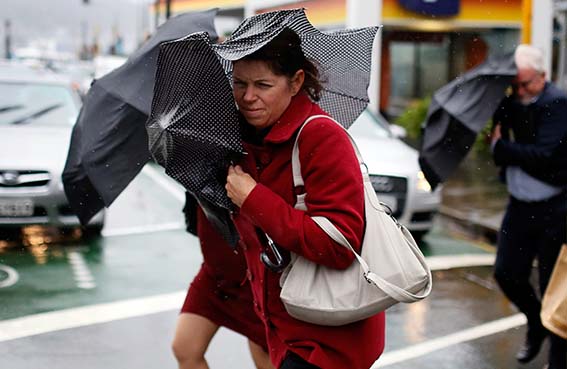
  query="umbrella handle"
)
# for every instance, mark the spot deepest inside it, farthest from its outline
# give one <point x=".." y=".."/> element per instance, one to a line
<point x="281" y="261"/>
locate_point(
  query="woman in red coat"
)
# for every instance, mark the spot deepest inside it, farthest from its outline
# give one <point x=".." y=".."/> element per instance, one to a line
<point x="275" y="89"/>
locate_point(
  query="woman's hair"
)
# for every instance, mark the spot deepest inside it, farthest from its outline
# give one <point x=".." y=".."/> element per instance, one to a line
<point x="528" y="56"/>
<point x="284" y="57"/>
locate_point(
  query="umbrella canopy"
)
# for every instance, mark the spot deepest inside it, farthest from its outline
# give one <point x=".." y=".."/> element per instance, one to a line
<point x="193" y="127"/>
<point x="343" y="57"/>
<point x="458" y="112"/>
<point x="109" y="144"/>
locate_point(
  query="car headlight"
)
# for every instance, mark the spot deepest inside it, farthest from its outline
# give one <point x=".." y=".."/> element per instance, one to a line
<point x="422" y="184"/>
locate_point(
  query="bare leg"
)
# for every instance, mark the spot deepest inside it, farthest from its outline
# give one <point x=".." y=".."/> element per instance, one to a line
<point x="260" y="357"/>
<point x="192" y="337"/>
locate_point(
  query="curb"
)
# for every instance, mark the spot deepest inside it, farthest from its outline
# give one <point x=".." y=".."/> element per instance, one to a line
<point x="476" y="225"/>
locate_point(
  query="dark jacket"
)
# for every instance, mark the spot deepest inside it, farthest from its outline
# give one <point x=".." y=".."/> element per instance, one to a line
<point x="534" y="136"/>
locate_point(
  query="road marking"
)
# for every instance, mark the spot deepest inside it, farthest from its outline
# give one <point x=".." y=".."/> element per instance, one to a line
<point x="152" y="228"/>
<point x="169" y="185"/>
<point x="81" y="272"/>
<point x="88" y="315"/>
<point x="12" y="276"/>
<point x="435" y="344"/>
<point x="444" y="262"/>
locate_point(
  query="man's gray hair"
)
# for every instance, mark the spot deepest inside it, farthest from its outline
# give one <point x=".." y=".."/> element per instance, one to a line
<point x="529" y="57"/>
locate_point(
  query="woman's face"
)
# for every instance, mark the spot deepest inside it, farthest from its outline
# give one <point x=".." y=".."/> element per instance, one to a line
<point x="261" y="95"/>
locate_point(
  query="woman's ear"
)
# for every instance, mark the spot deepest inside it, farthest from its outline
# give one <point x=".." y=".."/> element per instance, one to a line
<point x="297" y="81"/>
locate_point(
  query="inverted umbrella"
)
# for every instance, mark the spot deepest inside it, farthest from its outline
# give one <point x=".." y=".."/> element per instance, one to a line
<point x="458" y="112"/>
<point x="193" y="126"/>
<point x="109" y="144"/>
<point x="343" y="57"/>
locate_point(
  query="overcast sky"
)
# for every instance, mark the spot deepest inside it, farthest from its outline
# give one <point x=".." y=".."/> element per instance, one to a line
<point x="62" y="22"/>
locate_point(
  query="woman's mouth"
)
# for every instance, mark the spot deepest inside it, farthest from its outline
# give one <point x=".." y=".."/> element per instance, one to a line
<point x="251" y="112"/>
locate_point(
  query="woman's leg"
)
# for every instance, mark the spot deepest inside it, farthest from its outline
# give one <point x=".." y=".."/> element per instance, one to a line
<point x="260" y="357"/>
<point x="192" y="337"/>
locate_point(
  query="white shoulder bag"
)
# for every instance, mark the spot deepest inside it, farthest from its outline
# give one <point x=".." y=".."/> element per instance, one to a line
<point x="390" y="268"/>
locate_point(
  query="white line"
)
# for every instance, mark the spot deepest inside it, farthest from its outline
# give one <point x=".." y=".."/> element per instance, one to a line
<point x="435" y="344"/>
<point x="444" y="262"/>
<point x="81" y="272"/>
<point x="83" y="316"/>
<point x="12" y="276"/>
<point x="168" y="184"/>
<point x="152" y="228"/>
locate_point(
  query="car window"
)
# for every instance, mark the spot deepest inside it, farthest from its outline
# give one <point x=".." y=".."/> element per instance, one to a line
<point x="369" y="126"/>
<point x="36" y="104"/>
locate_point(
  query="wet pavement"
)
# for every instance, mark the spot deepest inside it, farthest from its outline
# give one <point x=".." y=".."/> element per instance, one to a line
<point x="474" y="199"/>
<point x="140" y="270"/>
<point x="465" y="323"/>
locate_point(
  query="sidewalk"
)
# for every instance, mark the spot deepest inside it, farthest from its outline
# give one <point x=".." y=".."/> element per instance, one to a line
<point x="474" y="200"/>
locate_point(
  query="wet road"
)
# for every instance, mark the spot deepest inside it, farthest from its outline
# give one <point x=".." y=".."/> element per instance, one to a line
<point x="113" y="302"/>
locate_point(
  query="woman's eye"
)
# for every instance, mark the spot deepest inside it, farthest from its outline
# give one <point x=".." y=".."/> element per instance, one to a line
<point x="265" y="85"/>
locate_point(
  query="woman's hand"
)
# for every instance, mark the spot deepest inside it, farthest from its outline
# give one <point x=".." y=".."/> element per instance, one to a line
<point x="238" y="184"/>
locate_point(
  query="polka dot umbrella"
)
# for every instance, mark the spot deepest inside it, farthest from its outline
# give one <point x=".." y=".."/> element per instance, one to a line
<point x="193" y="127"/>
<point x="343" y="57"/>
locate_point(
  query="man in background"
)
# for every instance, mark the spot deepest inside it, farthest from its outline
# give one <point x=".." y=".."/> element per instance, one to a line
<point x="529" y="127"/>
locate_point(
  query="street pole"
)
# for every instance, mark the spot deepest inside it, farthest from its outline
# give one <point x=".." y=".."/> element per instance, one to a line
<point x="363" y="14"/>
<point x="540" y="14"/>
<point x="542" y="35"/>
<point x="167" y="9"/>
<point x="156" y="9"/>
<point x="7" y="39"/>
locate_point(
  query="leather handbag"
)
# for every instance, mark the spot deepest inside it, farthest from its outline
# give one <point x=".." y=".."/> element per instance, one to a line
<point x="554" y="303"/>
<point x="390" y="268"/>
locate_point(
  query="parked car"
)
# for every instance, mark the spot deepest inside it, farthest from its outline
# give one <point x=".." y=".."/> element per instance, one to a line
<point x="395" y="173"/>
<point x="37" y="111"/>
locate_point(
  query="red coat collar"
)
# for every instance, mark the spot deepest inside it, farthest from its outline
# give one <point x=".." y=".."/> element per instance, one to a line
<point x="296" y="113"/>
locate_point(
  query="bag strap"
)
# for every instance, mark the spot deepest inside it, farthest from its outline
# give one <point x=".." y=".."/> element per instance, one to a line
<point x="325" y="224"/>
<point x="390" y="289"/>
<point x="296" y="164"/>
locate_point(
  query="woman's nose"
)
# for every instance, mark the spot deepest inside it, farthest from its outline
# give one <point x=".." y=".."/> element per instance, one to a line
<point x="249" y="94"/>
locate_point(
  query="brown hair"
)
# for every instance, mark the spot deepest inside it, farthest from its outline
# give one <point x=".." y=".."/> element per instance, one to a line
<point x="284" y="57"/>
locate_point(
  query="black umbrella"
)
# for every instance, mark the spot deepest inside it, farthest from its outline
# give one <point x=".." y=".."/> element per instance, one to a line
<point x="109" y="144"/>
<point x="458" y="112"/>
<point x="193" y="143"/>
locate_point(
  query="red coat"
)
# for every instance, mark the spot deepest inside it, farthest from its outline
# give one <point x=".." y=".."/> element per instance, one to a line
<point x="333" y="183"/>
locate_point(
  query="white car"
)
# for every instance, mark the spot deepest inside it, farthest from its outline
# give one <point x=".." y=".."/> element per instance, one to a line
<point x="37" y="111"/>
<point x="395" y="174"/>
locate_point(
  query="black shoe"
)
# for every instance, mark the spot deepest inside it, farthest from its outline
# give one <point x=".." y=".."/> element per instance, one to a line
<point x="530" y="348"/>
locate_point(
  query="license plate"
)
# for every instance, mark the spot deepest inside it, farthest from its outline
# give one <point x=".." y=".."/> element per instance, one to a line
<point x="391" y="201"/>
<point x="16" y="208"/>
